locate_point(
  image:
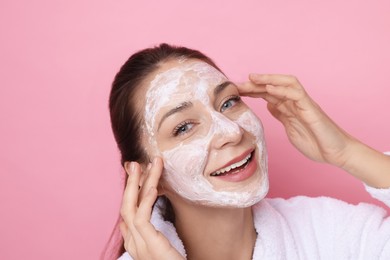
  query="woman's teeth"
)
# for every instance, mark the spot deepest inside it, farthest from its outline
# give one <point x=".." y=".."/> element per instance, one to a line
<point x="233" y="166"/>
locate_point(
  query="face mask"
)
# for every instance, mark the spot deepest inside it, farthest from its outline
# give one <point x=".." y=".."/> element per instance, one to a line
<point x="184" y="164"/>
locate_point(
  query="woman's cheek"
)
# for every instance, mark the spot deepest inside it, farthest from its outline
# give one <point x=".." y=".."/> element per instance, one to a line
<point x="184" y="167"/>
<point x="252" y="124"/>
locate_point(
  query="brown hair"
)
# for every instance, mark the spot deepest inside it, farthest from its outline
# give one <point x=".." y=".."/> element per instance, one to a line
<point x="125" y="120"/>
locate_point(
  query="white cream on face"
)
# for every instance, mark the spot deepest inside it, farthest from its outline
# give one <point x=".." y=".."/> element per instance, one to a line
<point x="185" y="163"/>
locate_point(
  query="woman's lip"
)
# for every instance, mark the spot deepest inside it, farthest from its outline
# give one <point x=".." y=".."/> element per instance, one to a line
<point x="242" y="174"/>
<point x="237" y="159"/>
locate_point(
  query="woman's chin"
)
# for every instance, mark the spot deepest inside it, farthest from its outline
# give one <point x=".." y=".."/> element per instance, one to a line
<point x="237" y="194"/>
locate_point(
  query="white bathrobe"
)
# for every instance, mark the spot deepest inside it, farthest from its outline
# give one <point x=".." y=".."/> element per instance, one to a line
<point x="310" y="228"/>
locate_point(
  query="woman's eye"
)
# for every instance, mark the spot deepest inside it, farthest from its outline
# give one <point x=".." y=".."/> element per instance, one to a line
<point x="230" y="102"/>
<point x="183" y="128"/>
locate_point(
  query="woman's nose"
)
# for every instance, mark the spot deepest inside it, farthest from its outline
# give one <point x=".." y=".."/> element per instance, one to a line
<point x="225" y="131"/>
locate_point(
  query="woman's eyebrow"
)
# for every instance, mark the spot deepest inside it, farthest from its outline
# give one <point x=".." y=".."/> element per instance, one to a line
<point x="218" y="89"/>
<point x="179" y="108"/>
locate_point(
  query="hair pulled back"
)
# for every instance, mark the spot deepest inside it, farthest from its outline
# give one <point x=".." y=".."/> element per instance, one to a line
<point x="126" y="121"/>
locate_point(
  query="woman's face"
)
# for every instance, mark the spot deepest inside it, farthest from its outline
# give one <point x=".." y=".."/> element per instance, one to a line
<point x="212" y="144"/>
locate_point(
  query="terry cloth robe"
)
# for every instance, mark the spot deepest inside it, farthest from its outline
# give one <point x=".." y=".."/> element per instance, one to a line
<point x="310" y="228"/>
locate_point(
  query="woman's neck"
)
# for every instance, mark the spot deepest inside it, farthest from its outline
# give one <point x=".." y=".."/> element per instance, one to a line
<point x="216" y="233"/>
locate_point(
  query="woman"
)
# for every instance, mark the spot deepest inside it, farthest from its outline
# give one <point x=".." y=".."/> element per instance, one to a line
<point x="186" y="137"/>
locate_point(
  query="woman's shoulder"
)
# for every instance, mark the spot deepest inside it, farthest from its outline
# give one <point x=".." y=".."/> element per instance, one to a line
<point x="321" y="203"/>
<point x="318" y="210"/>
<point x="332" y="226"/>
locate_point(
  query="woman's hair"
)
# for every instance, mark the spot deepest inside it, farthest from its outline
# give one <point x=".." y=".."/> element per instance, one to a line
<point x="126" y="121"/>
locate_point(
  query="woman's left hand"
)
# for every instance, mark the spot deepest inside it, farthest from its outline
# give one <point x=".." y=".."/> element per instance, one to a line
<point x="141" y="239"/>
<point x="308" y="128"/>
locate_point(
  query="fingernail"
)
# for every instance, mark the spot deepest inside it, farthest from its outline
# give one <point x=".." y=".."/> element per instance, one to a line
<point x="154" y="161"/>
<point x="132" y="167"/>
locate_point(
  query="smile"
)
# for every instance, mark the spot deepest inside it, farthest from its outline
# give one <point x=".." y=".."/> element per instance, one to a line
<point x="235" y="167"/>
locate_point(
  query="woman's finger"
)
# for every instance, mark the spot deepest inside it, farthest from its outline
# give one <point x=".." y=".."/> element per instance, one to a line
<point x="280" y="113"/>
<point x="124" y="230"/>
<point x="286" y="93"/>
<point x="130" y="195"/>
<point x="269" y="98"/>
<point x="249" y="88"/>
<point x="129" y="242"/>
<point x="274" y="79"/>
<point x="142" y="218"/>
<point x="131" y="237"/>
<point x="154" y="244"/>
<point x="153" y="177"/>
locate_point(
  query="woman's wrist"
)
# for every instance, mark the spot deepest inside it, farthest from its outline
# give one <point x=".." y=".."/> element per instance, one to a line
<point x="367" y="164"/>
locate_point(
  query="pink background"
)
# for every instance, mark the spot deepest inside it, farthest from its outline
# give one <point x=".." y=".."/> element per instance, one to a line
<point x="60" y="177"/>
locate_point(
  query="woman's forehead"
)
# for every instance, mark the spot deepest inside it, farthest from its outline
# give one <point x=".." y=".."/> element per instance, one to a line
<point x="192" y="79"/>
<point x="187" y="80"/>
<point x="182" y="74"/>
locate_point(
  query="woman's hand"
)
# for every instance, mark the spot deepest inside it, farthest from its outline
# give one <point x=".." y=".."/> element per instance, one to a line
<point x="141" y="239"/>
<point x="308" y="128"/>
<point x="313" y="133"/>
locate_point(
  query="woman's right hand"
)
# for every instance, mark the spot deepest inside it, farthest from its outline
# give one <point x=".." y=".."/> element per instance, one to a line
<point x="141" y="239"/>
<point x="313" y="132"/>
<point x="307" y="126"/>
